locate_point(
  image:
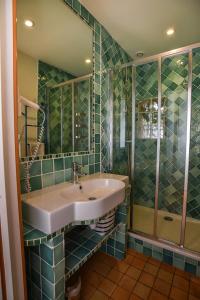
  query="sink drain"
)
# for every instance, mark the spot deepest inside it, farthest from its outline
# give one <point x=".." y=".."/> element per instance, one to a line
<point x="92" y="198"/>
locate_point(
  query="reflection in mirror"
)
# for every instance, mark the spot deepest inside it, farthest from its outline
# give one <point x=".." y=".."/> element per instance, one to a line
<point x="54" y="71"/>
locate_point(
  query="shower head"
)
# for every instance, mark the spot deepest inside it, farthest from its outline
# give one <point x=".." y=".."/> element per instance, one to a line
<point x="29" y="103"/>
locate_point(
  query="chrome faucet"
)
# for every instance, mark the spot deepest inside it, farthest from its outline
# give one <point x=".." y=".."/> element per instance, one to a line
<point x="76" y="172"/>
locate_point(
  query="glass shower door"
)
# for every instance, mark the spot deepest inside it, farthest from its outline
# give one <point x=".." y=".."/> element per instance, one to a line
<point x="122" y="109"/>
<point x="146" y="118"/>
<point x="192" y="232"/>
<point x="174" y="81"/>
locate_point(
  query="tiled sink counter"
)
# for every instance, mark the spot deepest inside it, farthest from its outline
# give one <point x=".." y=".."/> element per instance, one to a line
<point x="52" y="259"/>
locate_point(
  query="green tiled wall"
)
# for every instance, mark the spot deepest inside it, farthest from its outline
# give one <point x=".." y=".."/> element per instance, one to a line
<point x="107" y="53"/>
<point x="46" y="172"/>
<point x="174" y="78"/>
<point x="178" y="260"/>
<point x="48" y="76"/>
<point x="146" y="83"/>
<point x="117" y="244"/>
<point x="45" y="270"/>
<point x="82" y="106"/>
<point x="193" y="203"/>
<point x="118" y="87"/>
<point x="122" y="120"/>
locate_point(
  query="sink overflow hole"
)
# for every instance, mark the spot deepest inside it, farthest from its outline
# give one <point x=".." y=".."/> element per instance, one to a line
<point x="167" y="218"/>
<point x="92" y="198"/>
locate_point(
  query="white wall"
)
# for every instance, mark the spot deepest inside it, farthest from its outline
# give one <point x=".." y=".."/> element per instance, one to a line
<point x="10" y="224"/>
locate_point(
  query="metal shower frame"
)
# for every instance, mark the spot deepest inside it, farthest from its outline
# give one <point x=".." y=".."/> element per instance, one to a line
<point x="158" y="58"/>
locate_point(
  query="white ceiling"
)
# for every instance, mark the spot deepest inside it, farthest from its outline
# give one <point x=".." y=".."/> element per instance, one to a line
<point x="59" y="38"/>
<point x="140" y="25"/>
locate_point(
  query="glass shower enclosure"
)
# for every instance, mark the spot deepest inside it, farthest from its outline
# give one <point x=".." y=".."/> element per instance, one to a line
<point x="69" y="116"/>
<point x="165" y="150"/>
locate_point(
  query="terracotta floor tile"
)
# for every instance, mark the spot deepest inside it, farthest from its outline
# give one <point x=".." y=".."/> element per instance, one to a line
<point x="138" y="263"/>
<point x="114" y="275"/>
<point x="154" y="261"/>
<point x="110" y="261"/>
<point x="191" y="297"/>
<point x="94" y="278"/>
<point x="142" y="256"/>
<point x="107" y="287"/>
<point x="131" y="252"/>
<point x="121" y="266"/>
<point x="129" y="258"/>
<point x="101" y="268"/>
<point x="127" y="283"/>
<point x="134" y="297"/>
<point x="181" y="283"/>
<point x="119" y="294"/>
<point x="195" y="279"/>
<point x="162" y="286"/>
<point x="155" y="295"/>
<point x="99" y="296"/>
<point x="165" y="275"/>
<point x="147" y="279"/>
<point x="194" y="289"/>
<point x="141" y="290"/>
<point x="183" y="274"/>
<point x="167" y="267"/>
<point x="177" y="294"/>
<point x="133" y="272"/>
<point x="87" y="292"/>
<point x="152" y="269"/>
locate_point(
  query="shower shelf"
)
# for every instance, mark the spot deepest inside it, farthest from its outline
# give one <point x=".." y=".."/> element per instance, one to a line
<point x="80" y="244"/>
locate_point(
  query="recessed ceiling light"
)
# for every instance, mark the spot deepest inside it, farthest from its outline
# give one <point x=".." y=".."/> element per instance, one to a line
<point x="29" y="23"/>
<point x="170" y="31"/>
<point x="88" y="61"/>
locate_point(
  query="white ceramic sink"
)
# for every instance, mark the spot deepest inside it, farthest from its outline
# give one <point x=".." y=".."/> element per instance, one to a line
<point x="52" y="208"/>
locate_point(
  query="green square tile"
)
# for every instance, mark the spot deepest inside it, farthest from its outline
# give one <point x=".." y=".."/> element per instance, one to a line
<point x="59" y="177"/>
<point x="35" y="277"/>
<point x="68" y="162"/>
<point x="58" y="164"/>
<point x="46" y="254"/>
<point x="97" y="158"/>
<point x="97" y="168"/>
<point x="35" y="169"/>
<point x="22" y="170"/>
<point x="91" y="169"/>
<point x="56" y="240"/>
<point x="85" y="169"/>
<point x="36" y="183"/>
<point x="35" y="292"/>
<point x="84" y="13"/>
<point x="58" y="253"/>
<point x="47" y="166"/>
<point x="47" y="271"/>
<point x="76" y="6"/>
<point x="60" y="270"/>
<point x="22" y="186"/>
<point x="48" y="288"/>
<point x="60" y="287"/>
<point x="91" y="159"/>
<point x="68" y="175"/>
<point x="85" y="160"/>
<point x="35" y="261"/>
<point x="48" y="180"/>
<point x="78" y="159"/>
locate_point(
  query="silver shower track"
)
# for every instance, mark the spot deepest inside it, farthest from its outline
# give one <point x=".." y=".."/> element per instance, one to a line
<point x="158" y="58"/>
